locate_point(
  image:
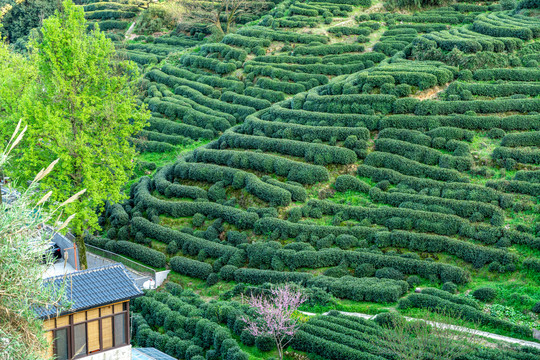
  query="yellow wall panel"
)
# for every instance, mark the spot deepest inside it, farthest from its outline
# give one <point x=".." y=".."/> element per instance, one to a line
<point x="92" y="314"/>
<point x="62" y="321"/>
<point x="106" y="328"/>
<point x="49" y="324"/>
<point x="79" y="317"/>
<point x="106" y="310"/>
<point x="93" y="336"/>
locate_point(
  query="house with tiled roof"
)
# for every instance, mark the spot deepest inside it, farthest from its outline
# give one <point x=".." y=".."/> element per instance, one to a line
<point x="96" y="324"/>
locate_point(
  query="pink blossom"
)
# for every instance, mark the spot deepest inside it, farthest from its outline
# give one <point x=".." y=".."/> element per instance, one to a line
<point x="275" y="315"/>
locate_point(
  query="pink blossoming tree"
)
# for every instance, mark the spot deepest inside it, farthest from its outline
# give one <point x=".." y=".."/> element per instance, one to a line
<point x="275" y="315"/>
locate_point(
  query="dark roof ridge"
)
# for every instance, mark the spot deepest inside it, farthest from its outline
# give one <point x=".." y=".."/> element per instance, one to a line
<point x="91" y="288"/>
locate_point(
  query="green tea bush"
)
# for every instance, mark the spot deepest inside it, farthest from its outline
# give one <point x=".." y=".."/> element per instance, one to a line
<point x="485" y="294"/>
<point x="190" y="267"/>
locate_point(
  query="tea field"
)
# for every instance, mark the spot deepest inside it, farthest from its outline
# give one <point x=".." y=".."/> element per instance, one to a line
<point x="358" y="152"/>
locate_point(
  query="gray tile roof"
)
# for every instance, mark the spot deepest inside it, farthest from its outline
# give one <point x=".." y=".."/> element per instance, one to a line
<point x="149" y="354"/>
<point x="92" y="288"/>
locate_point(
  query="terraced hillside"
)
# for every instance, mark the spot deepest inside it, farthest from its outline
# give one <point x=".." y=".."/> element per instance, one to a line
<point x="356" y="152"/>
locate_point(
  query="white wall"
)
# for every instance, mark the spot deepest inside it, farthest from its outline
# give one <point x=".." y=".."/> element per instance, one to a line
<point x="122" y="353"/>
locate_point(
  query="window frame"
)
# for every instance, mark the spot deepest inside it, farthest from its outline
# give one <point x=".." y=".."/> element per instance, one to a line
<point x="70" y="338"/>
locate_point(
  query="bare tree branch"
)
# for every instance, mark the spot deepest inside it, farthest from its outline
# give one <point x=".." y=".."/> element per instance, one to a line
<point x="221" y="15"/>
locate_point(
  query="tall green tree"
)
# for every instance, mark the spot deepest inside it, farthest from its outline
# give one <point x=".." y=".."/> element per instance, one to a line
<point x="16" y="72"/>
<point x="25" y="15"/>
<point x="81" y="109"/>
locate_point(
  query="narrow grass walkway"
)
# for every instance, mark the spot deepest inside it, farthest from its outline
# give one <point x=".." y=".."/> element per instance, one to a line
<point x="447" y="326"/>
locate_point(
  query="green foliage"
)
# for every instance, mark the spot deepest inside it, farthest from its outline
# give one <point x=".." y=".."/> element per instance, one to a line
<point x="191" y="268"/>
<point x="25" y="16"/>
<point x="349" y="182"/>
<point x="485" y="294"/>
<point x="449" y="287"/>
<point x="104" y="86"/>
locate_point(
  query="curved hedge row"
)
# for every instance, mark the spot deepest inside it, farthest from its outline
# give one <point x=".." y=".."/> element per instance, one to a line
<point x="429" y="222"/>
<point x="532" y="176"/>
<point x="322" y="50"/>
<point x="138" y="252"/>
<point x="242" y="219"/>
<point x="189" y="244"/>
<point x="494" y="90"/>
<point x="514" y="74"/>
<point x="412" y="168"/>
<point x="238" y="111"/>
<point x="471" y="122"/>
<point x="423" y="154"/>
<point x="465" y="312"/>
<point x="286" y="229"/>
<point x="227" y="52"/>
<point x="318" y="68"/>
<point x="174" y="81"/>
<point x="450" y="190"/>
<point x="491" y="24"/>
<point x="245" y="100"/>
<point x="515" y="186"/>
<point x="307" y="80"/>
<point x="207" y="63"/>
<point x="239" y="179"/>
<point x="298" y="132"/>
<point x="462" y="208"/>
<point x="109" y="14"/>
<point x="348" y="287"/>
<point x="189" y="116"/>
<point x="190" y="267"/>
<point x="267" y="94"/>
<point x="333" y="257"/>
<point x="285" y="36"/>
<point x="292" y="170"/>
<point x="320" y="154"/>
<point x="523" y="155"/>
<point x="280" y="86"/>
<point x="521" y="139"/>
<point x="245" y="41"/>
<point x="472" y="253"/>
<point x="432" y="107"/>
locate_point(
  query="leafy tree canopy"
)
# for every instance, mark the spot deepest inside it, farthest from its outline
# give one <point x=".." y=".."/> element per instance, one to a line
<point x="80" y="108"/>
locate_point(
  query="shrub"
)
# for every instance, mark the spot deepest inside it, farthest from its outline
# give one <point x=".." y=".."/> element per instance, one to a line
<point x="413" y="281"/>
<point x="389" y="319"/>
<point x="496" y="133"/>
<point x="450" y="287"/>
<point x="247" y="339"/>
<point x="138" y="252"/>
<point x="536" y="308"/>
<point x="190" y="267"/>
<point x="172" y="248"/>
<point x="349" y="182"/>
<point x="226" y="273"/>
<point x="319" y="153"/>
<point x="346" y="242"/>
<point x="485" y="294"/>
<point x="212" y="279"/>
<point x="389" y="273"/>
<point x="264" y="343"/>
<point x="437" y="304"/>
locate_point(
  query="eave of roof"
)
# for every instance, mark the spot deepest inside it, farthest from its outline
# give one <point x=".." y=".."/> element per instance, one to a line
<point x="92" y="288"/>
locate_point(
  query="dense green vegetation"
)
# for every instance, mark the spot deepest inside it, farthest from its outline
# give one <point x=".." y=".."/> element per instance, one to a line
<point x="331" y="165"/>
<point x="357" y="151"/>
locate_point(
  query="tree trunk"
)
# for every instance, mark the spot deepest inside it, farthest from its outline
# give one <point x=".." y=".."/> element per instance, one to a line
<point x="279" y="349"/>
<point x="81" y="251"/>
